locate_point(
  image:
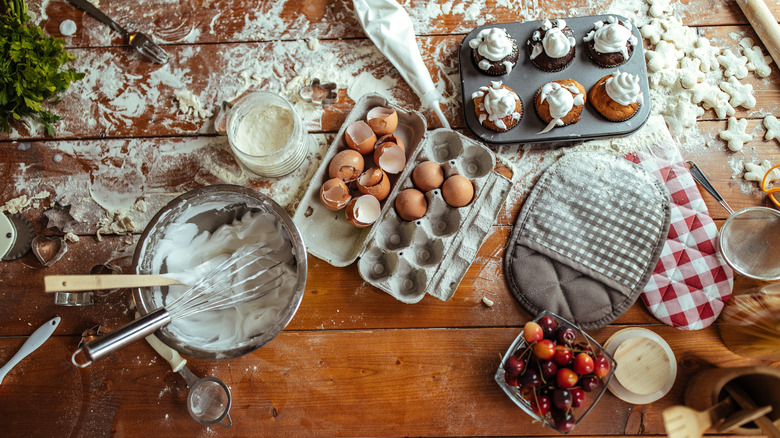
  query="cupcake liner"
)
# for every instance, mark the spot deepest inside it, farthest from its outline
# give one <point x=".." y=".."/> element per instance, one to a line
<point x="590" y="49"/>
<point x="497" y="67"/>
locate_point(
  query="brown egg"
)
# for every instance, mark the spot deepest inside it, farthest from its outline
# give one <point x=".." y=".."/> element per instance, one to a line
<point x="363" y="211"/>
<point x="360" y="137"/>
<point x="428" y="175"/>
<point x="457" y="191"/>
<point x="347" y="165"/>
<point x="411" y="204"/>
<point x="334" y="194"/>
<point x="374" y="182"/>
<point x="382" y="120"/>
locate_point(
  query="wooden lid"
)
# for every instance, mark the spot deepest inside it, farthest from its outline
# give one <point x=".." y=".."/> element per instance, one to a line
<point x="644" y="365"/>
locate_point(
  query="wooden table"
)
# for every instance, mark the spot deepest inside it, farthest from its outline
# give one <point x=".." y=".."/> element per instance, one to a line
<point x="353" y="361"/>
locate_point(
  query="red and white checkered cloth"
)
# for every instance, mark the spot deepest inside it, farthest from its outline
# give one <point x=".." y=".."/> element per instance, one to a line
<point x="690" y="283"/>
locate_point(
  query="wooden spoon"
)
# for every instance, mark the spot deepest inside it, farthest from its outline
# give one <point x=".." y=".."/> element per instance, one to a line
<point x="76" y="283"/>
<point x="684" y="422"/>
<point x="744" y="400"/>
<point x="742" y="418"/>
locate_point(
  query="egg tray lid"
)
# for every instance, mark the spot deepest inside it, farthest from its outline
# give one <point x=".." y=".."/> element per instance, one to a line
<point x="409" y="259"/>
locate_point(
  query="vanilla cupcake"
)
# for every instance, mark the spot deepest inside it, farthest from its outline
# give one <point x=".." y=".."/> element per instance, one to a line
<point x="498" y="107"/>
<point x="494" y="51"/>
<point x="617" y="97"/>
<point x="560" y="103"/>
<point x="610" y="44"/>
<point x="552" y="46"/>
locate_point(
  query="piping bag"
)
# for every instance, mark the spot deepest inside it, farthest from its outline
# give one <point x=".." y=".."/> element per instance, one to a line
<point x="388" y="25"/>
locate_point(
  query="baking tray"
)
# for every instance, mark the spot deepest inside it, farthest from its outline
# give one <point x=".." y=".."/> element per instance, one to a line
<point x="525" y="78"/>
<point x="409" y="259"/>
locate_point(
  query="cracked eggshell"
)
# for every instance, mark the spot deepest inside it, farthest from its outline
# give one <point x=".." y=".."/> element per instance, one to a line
<point x="382" y="120"/>
<point x="390" y="138"/>
<point x="347" y="165"/>
<point x="334" y="194"/>
<point x="428" y="175"/>
<point x="363" y="211"/>
<point x="374" y="182"/>
<point x="390" y="157"/>
<point x="457" y="191"/>
<point x="411" y="204"/>
<point x="360" y="137"/>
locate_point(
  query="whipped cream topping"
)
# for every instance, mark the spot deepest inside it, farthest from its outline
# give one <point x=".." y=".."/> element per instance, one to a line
<point x="612" y="37"/>
<point x="498" y="104"/>
<point x="624" y="89"/>
<point x="494" y="44"/>
<point x="189" y="254"/>
<point x="554" y="43"/>
<point x="561" y="99"/>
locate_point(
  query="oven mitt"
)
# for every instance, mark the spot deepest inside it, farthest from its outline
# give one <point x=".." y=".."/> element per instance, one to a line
<point x="587" y="238"/>
<point x="690" y="284"/>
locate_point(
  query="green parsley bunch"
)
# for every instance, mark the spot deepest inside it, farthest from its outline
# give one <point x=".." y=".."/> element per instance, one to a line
<point x="31" y="68"/>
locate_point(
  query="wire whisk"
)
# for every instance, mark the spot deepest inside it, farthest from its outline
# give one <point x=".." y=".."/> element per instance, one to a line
<point x="223" y="287"/>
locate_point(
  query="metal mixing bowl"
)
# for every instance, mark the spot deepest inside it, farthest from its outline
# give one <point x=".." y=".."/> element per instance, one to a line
<point x="210" y="207"/>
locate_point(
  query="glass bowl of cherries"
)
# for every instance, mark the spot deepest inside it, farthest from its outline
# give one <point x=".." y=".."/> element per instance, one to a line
<point x="555" y="372"/>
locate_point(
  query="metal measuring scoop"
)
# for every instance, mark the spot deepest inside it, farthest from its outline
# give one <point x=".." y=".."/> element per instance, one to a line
<point x="208" y="400"/>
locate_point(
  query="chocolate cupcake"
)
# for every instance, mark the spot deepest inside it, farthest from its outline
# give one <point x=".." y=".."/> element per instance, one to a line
<point x="610" y="44"/>
<point x="494" y="51"/>
<point x="617" y="97"/>
<point x="498" y="107"/>
<point x="552" y="46"/>
<point x="560" y="103"/>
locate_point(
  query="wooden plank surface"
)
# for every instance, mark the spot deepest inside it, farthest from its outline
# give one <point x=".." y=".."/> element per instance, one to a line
<point x="432" y="382"/>
<point x="354" y="361"/>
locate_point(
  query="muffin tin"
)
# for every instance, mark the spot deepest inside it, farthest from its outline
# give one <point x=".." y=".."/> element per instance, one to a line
<point x="526" y="79"/>
<point x="409" y="259"/>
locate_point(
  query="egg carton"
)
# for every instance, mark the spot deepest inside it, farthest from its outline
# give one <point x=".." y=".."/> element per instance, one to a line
<point x="409" y="259"/>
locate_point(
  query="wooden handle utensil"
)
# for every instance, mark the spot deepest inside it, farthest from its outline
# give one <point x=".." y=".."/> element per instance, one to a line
<point x="80" y="283"/>
<point x="744" y="401"/>
<point x="765" y="25"/>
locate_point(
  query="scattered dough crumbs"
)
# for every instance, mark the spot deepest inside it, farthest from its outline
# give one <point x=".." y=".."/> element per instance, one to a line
<point x="188" y="101"/>
<point x="70" y="237"/>
<point x="487" y="302"/>
<point x="19" y="203"/>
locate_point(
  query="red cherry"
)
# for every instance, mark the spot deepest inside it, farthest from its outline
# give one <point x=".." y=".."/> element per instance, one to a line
<point x="548" y="325"/>
<point x="565" y="335"/>
<point x="540" y="405"/>
<point x="549" y="369"/>
<point x="544" y="349"/>
<point x="583" y="364"/>
<point x="566" y="378"/>
<point x="589" y="383"/>
<point x="563" y="355"/>
<point x="600" y="365"/>
<point x="564" y="420"/>
<point x="577" y="397"/>
<point x="511" y="380"/>
<point x="531" y="379"/>
<point x="532" y="332"/>
<point x="562" y="398"/>
<point x="514" y="366"/>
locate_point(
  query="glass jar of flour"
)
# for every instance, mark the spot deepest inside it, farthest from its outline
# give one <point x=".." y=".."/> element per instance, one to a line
<point x="266" y="134"/>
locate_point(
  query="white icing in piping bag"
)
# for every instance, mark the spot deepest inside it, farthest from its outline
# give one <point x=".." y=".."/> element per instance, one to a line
<point x="388" y="25"/>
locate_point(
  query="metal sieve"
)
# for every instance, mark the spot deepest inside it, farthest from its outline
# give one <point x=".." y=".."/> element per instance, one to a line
<point x="749" y="240"/>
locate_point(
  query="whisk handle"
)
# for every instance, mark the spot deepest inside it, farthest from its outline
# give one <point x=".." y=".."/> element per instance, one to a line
<point x="122" y="337"/>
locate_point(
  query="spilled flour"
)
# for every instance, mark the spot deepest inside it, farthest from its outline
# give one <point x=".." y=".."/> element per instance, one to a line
<point x="115" y="101"/>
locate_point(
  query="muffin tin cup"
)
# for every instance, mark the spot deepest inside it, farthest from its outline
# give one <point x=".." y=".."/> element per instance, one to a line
<point x="525" y="79"/>
<point x="409" y="259"/>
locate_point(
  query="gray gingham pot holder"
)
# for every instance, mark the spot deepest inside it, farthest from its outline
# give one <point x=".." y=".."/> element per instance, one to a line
<point x="587" y="239"/>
